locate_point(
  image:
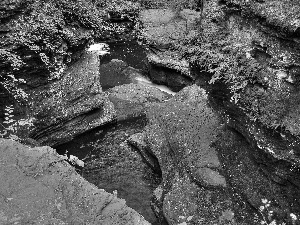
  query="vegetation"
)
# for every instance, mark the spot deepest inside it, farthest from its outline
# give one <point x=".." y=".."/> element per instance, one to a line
<point x="215" y="51"/>
<point x="228" y="57"/>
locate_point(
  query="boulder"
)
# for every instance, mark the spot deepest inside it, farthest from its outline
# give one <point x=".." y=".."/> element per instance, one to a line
<point x="40" y="187"/>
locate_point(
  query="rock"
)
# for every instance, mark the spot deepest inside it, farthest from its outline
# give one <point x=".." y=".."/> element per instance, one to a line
<point x="209" y="177"/>
<point x="165" y="69"/>
<point x="41" y="188"/>
<point x="130" y="99"/>
<point x="138" y="141"/>
<point x="71" y="105"/>
<point x="180" y="134"/>
<point x="163" y="33"/>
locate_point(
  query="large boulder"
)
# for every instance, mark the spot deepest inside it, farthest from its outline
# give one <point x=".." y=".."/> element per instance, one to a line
<point x="40" y="187"/>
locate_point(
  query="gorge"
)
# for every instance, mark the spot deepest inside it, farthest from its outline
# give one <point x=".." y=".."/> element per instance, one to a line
<point x="188" y="119"/>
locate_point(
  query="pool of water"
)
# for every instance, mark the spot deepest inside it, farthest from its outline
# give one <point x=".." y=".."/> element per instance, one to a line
<point x="119" y="56"/>
<point x="130" y="52"/>
<point x="111" y="164"/>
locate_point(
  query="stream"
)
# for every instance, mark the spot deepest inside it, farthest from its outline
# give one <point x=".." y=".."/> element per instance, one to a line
<point x="110" y="163"/>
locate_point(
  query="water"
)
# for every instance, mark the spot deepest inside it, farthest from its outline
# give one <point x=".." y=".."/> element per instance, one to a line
<point x="134" y="55"/>
<point x="110" y="163"/>
<point x="130" y="52"/>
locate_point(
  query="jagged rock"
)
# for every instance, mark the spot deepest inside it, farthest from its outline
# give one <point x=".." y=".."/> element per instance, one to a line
<point x="72" y="105"/>
<point x="39" y="187"/>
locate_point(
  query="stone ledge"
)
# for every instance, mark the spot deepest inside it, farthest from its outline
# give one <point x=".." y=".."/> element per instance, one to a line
<point x="39" y="187"/>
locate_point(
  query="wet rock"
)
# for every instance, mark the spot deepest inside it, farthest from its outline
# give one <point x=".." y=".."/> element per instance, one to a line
<point x="71" y="105"/>
<point x="41" y="188"/>
<point x="130" y="99"/>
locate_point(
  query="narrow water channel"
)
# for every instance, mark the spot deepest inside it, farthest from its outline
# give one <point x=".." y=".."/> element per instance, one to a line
<point x="110" y="163"/>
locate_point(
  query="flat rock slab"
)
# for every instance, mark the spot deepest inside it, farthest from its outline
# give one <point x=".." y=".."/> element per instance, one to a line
<point x="39" y="187"/>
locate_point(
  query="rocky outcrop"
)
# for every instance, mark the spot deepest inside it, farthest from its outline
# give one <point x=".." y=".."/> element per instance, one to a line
<point x="179" y="138"/>
<point x="40" y="187"/>
<point x="210" y="173"/>
<point x="72" y="105"/>
<point x="163" y="32"/>
<point x="39" y="40"/>
<point x="251" y="51"/>
<point x="272" y="31"/>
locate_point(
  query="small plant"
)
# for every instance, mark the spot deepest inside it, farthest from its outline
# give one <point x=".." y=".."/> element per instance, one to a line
<point x="11" y="127"/>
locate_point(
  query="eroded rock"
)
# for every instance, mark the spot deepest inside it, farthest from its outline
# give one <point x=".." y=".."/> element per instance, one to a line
<point x="130" y="99"/>
<point x="71" y="105"/>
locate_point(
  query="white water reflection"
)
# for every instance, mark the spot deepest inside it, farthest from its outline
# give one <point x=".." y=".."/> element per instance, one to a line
<point x="100" y="48"/>
<point x="146" y="82"/>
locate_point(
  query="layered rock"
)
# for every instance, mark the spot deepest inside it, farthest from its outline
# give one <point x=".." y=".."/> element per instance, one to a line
<point x="38" y="41"/>
<point x="72" y="105"/>
<point x="40" y="187"/>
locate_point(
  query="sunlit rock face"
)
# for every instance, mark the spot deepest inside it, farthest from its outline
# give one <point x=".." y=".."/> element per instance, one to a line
<point x="40" y="187"/>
